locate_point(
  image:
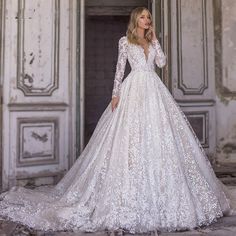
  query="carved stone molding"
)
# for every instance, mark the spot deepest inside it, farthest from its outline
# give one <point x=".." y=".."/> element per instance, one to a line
<point x="38" y="47"/>
<point x="199" y="121"/>
<point x="37" y="141"/>
<point x="37" y="106"/>
<point x="182" y="85"/>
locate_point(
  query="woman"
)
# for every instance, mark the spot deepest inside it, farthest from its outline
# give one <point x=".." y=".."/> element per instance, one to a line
<point x="143" y="169"/>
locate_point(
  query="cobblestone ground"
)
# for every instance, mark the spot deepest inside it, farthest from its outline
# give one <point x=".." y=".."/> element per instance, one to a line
<point x="225" y="226"/>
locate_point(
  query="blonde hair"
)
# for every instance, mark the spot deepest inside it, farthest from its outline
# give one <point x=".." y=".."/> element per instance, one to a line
<point x="131" y="32"/>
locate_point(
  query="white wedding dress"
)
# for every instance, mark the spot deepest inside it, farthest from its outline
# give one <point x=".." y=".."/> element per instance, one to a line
<point x="143" y="169"/>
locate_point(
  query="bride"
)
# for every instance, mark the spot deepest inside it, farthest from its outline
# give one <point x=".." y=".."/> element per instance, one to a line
<point x="143" y="169"/>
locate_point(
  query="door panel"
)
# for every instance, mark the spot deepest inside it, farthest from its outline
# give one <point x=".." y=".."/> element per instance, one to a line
<point x="192" y="66"/>
<point x="37" y="92"/>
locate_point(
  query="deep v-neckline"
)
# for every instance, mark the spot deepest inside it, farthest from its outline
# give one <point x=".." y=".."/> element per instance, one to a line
<point x="146" y="56"/>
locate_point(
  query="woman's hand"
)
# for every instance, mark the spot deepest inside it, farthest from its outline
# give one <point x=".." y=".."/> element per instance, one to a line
<point x="114" y="103"/>
<point x="153" y="33"/>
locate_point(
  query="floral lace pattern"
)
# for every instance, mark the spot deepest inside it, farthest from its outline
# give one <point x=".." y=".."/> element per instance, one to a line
<point x="143" y="169"/>
<point x="137" y="59"/>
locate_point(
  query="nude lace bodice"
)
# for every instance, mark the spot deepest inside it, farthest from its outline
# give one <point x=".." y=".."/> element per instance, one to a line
<point x="137" y="59"/>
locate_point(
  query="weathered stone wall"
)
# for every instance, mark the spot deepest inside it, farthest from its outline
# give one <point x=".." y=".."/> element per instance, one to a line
<point x="225" y="68"/>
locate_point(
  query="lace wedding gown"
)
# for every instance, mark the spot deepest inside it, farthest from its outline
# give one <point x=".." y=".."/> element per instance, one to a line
<point x="142" y="170"/>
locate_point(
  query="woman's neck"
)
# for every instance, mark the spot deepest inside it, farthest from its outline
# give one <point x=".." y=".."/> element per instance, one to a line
<point x="140" y="33"/>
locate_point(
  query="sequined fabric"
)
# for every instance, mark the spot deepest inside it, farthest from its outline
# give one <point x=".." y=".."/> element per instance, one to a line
<point x="143" y="169"/>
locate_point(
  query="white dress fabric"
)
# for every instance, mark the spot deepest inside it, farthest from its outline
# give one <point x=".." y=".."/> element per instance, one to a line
<point x="143" y="169"/>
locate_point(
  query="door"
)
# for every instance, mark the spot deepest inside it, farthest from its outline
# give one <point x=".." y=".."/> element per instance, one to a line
<point x="104" y="23"/>
<point x="190" y="44"/>
<point x="38" y="88"/>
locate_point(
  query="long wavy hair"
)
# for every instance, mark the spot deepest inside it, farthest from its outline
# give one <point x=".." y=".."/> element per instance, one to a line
<point x="131" y="32"/>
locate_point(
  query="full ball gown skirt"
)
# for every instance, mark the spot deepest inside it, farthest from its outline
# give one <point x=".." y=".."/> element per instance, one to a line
<point x="142" y="170"/>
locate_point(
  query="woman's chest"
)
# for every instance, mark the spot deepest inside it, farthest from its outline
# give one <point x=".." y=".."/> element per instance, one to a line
<point x="138" y="54"/>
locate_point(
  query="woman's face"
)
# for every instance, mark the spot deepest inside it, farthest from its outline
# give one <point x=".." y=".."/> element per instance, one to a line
<point x="144" y="20"/>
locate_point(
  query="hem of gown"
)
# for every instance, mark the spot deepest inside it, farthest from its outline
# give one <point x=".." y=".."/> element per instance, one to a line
<point x="114" y="229"/>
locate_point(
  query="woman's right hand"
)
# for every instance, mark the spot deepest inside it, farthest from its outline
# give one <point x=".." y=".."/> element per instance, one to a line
<point x="114" y="103"/>
<point x="154" y="37"/>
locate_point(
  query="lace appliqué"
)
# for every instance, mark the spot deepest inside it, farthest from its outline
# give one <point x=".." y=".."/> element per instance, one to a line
<point x="137" y="60"/>
<point x="120" y="67"/>
<point x="160" y="58"/>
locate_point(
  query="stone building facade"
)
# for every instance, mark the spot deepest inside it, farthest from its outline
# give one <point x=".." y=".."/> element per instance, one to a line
<point x="57" y="64"/>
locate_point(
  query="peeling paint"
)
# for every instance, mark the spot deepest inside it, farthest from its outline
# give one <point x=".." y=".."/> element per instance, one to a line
<point x="226" y="150"/>
<point x="42" y="138"/>
<point x="229" y="148"/>
<point x="28" y="80"/>
<point x="32" y="60"/>
<point x="13" y="99"/>
<point x="35" y="32"/>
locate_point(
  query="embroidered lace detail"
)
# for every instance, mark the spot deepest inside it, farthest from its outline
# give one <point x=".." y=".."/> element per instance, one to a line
<point x="142" y="170"/>
<point x="160" y="57"/>
<point x="137" y="60"/>
<point x="120" y="66"/>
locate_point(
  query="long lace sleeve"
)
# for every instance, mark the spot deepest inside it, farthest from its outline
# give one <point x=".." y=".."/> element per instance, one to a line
<point x="160" y="57"/>
<point x="120" y="66"/>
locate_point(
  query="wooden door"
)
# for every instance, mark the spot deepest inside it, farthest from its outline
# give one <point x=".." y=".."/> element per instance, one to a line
<point x="38" y="87"/>
<point x="188" y="39"/>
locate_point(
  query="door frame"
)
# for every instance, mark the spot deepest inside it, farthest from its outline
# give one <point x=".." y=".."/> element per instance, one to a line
<point x="163" y="29"/>
<point x="80" y="80"/>
<point x="73" y="75"/>
<point x="2" y="42"/>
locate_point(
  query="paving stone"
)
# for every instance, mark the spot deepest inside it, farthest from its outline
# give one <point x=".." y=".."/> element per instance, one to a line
<point x="222" y="232"/>
<point x="7" y="227"/>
